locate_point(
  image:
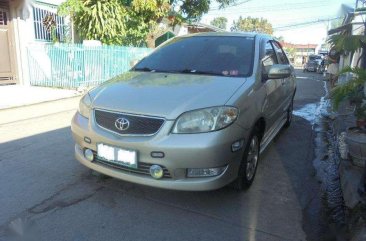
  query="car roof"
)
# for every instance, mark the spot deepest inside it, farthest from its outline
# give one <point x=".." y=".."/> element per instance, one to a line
<point x="231" y="34"/>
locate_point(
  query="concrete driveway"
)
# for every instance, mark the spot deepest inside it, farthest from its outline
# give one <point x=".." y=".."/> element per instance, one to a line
<point x="42" y="186"/>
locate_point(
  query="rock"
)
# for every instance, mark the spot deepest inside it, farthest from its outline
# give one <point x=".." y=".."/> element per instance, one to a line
<point x="350" y="176"/>
<point x="329" y="115"/>
<point x="360" y="235"/>
<point x="342" y="145"/>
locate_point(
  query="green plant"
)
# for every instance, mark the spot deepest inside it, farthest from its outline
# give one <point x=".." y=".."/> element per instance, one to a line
<point x="350" y="43"/>
<point x="353" y="91"/>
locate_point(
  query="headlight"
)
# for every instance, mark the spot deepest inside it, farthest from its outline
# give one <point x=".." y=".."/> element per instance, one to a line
<point x="84" y="106"/>
<point x="205" y="120"/>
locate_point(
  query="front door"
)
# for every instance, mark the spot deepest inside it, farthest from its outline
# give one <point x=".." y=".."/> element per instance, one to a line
<point x="7" y="58"/>
<point x="287" y="83"/>
<point x="273" y="87"/>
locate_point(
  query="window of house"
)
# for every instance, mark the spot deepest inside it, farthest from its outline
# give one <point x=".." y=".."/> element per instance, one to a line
<point x="44" y="21"/>
<point x="3" y="17"/>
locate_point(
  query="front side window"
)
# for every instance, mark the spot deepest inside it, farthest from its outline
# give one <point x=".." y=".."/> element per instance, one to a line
<point x="269" y="58"/>
<point x="207" y="55"/>
<point x="282" y="59"/>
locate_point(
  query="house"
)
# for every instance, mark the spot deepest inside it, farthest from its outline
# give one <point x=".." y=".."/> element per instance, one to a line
<point x="201" y="27"/>
<point x="183" y="29"/>
<point x="299" y="52"/>
<point x="352" y="24"/>
<point x="23" y="24"/>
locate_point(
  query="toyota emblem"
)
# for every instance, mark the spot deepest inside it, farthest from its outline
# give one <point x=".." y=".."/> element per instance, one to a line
<point x="122" y="124"/>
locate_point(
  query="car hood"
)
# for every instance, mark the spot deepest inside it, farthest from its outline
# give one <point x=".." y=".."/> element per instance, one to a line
<point x="163" y="94"/>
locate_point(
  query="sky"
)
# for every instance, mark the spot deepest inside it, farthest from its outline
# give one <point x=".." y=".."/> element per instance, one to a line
<point x="284" y="14"/>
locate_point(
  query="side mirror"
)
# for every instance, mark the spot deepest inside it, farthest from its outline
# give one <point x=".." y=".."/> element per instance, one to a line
<point x="279" y="71"/>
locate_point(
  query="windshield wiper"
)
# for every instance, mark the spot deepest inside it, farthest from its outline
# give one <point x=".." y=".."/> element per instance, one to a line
<point x="194" y="71"/>
<point x="184" y="71"/>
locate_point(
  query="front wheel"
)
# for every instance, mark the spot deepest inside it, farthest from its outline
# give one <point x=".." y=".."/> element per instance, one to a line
<point x="249" y="163"/>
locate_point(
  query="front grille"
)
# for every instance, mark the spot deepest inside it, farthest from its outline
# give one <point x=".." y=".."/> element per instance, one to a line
<point x="142" y="168"/>
<point x="138" y="125"/>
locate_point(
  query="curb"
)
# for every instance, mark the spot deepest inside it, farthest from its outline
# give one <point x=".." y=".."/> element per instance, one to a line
<point x="32" y="111"/>
<point x="39" y="103"/>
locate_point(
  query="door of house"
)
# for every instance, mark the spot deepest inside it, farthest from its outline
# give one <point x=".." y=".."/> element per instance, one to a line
<point x="7" y="57"/>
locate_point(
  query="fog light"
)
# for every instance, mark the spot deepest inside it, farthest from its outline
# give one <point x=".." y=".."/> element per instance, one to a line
<point x="156" y="171"/>
<point x="89" y="154"/>
<point x="205" y="172"/>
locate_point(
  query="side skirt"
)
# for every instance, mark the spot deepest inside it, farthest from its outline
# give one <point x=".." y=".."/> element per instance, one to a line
<point x="266" y="141"/>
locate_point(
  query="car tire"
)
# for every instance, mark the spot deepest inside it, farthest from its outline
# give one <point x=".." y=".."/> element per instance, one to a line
<point x="289" y="114"/>
<point x="249" y="163"/>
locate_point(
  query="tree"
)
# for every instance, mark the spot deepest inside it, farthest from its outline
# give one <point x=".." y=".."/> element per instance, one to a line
<point x="192" y="10"/>
<point x="130" y="22"/>
<point x="249" y="24"/>
<point x="219" y="22"/>
<point x="103" y="20"/>
<point x="118" y="22"/>
<point x="291" y="52"/>
<point x="280" y="39"/>
<point x="144" y="16"/>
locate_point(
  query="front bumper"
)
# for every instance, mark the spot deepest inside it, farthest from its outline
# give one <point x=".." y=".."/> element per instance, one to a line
<point x="182" y="151"/>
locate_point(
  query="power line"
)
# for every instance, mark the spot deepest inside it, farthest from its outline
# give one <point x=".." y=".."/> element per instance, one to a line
<point x="276" y="6"/>
<point x="232" y="5"/>
<point x="305" y="23"/>
<point x="268" y="10"/>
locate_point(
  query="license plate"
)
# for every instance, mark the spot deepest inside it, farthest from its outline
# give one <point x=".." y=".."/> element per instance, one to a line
<point x="117" y="155"/>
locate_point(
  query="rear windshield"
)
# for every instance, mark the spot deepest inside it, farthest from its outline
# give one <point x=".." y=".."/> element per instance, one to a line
<point x="206" y="55"/>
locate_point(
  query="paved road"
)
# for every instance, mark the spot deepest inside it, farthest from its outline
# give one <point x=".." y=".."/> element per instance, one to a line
<point x="42" y="185"/>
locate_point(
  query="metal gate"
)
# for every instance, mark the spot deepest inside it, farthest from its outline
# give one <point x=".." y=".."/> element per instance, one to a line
<point x="7" y="58"/>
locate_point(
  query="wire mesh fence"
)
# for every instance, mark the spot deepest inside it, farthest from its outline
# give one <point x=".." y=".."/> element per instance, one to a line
<point x="76" y="65"/>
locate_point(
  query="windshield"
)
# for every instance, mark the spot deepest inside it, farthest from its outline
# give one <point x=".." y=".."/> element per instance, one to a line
<point x="210" y="55"/>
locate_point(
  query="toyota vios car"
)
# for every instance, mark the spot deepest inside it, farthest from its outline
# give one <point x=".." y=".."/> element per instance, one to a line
<point x="193" y="115"/>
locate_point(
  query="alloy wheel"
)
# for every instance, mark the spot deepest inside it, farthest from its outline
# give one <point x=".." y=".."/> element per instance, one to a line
<point x="252" y="158"/>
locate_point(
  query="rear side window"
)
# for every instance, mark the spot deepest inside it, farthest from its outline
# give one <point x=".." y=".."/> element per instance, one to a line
<point x="215" y="55"/>
<point x="282" y="59"/>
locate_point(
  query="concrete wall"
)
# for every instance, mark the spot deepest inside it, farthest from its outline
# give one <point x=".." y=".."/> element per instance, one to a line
<point x="24" y="34"/>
